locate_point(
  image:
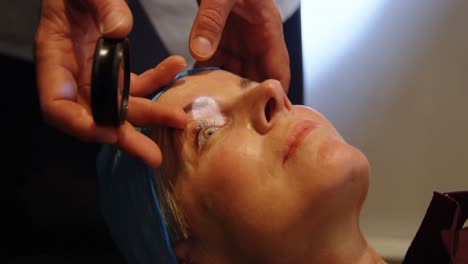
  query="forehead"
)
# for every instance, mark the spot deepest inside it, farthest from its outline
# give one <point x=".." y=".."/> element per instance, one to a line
<point x="218" y="84"/>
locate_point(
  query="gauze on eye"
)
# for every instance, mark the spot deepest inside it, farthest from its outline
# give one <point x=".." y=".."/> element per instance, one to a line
<point x="205" y="107"/>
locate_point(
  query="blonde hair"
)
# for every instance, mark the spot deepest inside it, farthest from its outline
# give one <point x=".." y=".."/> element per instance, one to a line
<point x="164" y="178"/>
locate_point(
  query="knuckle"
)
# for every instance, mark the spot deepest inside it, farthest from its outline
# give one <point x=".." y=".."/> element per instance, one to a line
<point x="211" y="20"/>
<point x="100" y="9"/>
<point x="106" y="6"/>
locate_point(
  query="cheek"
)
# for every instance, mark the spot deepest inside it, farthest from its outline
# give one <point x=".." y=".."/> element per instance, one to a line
<point x="308" y="112"/>
<point x="233" y="166"/>
<point x="235" y="182"/>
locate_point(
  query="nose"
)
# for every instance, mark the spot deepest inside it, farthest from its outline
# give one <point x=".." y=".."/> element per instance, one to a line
<point x="266" y="102"/>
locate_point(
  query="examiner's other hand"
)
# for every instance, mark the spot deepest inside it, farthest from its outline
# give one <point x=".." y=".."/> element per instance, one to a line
<point x="242" y="36"/>
<point x="64" y="48"/>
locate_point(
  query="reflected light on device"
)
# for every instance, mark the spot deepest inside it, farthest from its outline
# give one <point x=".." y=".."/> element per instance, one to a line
<point x="328" y="29"/>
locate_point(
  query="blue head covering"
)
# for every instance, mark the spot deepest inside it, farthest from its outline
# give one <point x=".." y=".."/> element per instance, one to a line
<point x="130" y="203"/>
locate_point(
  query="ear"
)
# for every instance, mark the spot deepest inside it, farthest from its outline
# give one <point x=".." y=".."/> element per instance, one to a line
<point x="183" y="250"/>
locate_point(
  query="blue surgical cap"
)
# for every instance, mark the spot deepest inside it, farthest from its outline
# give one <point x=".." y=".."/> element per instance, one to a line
<point x="130" y="203"/>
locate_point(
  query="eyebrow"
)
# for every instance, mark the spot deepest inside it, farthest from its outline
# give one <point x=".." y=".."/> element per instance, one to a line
<point x="244" y="83"/>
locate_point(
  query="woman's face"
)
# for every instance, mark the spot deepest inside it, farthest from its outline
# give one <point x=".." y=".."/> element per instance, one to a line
<point x="257" y="171"/>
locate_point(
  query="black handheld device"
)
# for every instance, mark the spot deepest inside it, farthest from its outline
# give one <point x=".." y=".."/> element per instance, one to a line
<point x="110" y="81"/>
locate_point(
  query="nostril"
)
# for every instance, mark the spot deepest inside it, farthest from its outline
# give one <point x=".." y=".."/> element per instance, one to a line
<point x="269" y="109"/>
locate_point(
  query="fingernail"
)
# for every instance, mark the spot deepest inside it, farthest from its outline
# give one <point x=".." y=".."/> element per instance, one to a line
<point x="111" y="22"/>
<point x="202" y="47"/>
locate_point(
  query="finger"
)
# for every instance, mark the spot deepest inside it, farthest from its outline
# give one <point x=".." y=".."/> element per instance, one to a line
<point x="113" y="17"/>
<point x="217" y="60"/>
<point x="58" y="100"/>
<point x="235" y="65"/>
<point x="51" y="55"/>
<point x="139" y="145"/>
<point x="275" y="60"/>
<point x="253" y="70"/>
<point x="73" y="119"/>
<point x="208" y="27"/>
<point x="147" y="113"/>
<point x="276" y="63"/>
<point x="153" y="79"/>
<point x="272" y="60"/>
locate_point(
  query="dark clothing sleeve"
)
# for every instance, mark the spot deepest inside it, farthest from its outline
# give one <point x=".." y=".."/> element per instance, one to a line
<point x="441" y="238"/>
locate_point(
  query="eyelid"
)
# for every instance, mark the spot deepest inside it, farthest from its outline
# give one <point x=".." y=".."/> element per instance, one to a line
<point x="205" y="112"/>
<point x="199" y="127"/>
<point x="204" y="106"/>
<point x="208" y="141"/>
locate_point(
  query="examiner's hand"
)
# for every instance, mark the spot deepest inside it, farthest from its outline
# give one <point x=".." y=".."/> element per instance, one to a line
<point x="245" y="37"/>
<point x="64" y="48"/>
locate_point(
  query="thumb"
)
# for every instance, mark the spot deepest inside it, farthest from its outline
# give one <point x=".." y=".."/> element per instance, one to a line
<point x="113" y="17"/>
<point x="208" y="27"/>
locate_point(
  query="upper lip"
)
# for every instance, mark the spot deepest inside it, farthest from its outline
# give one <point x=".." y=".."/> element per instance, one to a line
<point x="296" y="134"/>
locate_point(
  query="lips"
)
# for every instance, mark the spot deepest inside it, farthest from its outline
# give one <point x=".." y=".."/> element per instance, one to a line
<point x="296" y="134"/>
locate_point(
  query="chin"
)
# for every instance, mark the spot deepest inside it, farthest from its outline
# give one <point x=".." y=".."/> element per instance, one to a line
<point x="349" y="172"/>
<point x="335" y="173"/>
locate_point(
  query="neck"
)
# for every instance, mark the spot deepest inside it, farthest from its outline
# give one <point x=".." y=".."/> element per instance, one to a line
<point x="335" y="243"/>
<point x="344" y="244"/>
<point x="362" y="254"/>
